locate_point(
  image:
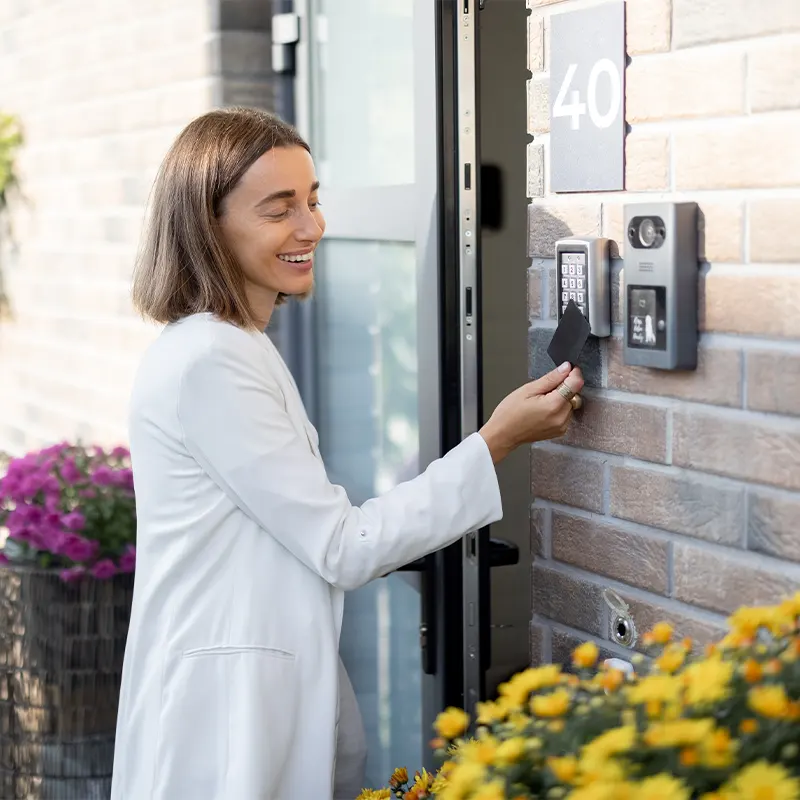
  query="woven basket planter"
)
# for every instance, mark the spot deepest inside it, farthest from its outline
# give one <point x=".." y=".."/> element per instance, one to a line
<point x="61" y="652"/>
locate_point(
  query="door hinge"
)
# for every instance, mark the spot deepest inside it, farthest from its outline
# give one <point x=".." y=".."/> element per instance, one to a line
<point x="285" y="36"/>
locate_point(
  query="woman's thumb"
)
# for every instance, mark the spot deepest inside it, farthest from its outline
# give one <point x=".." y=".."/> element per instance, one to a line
<point x="549" y="382"/>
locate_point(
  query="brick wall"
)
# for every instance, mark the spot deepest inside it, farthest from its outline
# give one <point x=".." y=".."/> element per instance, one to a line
<point x="101" y="90"/>
<point x="679" y="490"/>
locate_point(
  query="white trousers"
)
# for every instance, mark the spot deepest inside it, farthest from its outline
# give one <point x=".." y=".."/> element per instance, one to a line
<point x="351" y="743"/>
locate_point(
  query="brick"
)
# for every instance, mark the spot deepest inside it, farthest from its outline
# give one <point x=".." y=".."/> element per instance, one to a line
<point x="729" y="307"/>
<point x="538" y="105"/>
<point x="773" y="75"/>
<point x="772" y="524"/>
<point x="773" y="381"/>
<point x="700" y="83"/>
<point x="701" y="21"/>
<point x="768" y="223"/>
<point x="535" y="170"/>
<point x="647" y="612"/>
<point x="564" y="645"/>
<point x="535" y="280"/>
<point x="717" y="379"/>
<point x="565" y="477"/>
<point x="722" y="581"/>
<point x="647" y="162"/>
<point x="703" y="156"/>
<point x="539" y="536"/>
<point x="590" y="361"/>
<point x="535" y="43"/>
<point x="568" y="600"/>
<point x="721" y="232"/>
<point x="547" y="223"/>
<point x="613" y="426"/>
<point x="607" y="550"/>
<point x="536" y="642"/>
<point x="689" y="504"/>
<point x="648" y="26"/>
<point x="738" y="445"/>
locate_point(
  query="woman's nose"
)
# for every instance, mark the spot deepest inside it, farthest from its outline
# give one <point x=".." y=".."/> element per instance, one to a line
<point x="311" y="227"/>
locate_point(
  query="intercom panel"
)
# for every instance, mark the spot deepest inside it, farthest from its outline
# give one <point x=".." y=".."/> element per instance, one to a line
<point x="582" y="275"/>
<point x="660" y="292"/>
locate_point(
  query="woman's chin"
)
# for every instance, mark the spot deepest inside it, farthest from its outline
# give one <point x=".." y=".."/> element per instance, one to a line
<point x="300" y="287"/>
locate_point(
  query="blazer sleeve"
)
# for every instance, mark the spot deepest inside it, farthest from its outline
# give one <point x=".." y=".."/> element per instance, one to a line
<point x="236" y="426"/>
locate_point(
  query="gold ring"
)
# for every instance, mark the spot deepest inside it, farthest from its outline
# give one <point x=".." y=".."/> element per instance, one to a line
<point x="576" y="402"/>
<point x="566" y="392"/>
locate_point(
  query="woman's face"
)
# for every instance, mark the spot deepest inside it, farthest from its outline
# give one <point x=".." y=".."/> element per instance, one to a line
<point x="272" y="223"/>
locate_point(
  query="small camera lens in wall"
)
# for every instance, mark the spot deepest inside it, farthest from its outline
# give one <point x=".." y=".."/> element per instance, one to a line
<point x="647" y="233"/>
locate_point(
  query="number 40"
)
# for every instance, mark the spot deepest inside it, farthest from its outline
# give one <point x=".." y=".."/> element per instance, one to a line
<point x="576" y="109"/>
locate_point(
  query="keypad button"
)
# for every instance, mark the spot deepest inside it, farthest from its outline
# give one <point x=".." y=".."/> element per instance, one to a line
<point x="579" y="283"/>
<point x="572" y="283"/>
<point x="564" y="297"/>
<point x="571" y="269"/>
<point x="573" y="296"/>
<point x="581" y="297"/>
<point x="565" y="283"/>
<point x="579" y="269"/>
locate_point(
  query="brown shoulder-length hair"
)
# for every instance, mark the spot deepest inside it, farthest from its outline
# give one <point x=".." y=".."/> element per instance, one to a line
<point x="183" y="266"/>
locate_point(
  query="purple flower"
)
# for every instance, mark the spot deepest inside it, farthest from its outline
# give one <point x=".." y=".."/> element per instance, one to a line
<point x="74" y="521"/>
<point x="76" y="548"/>
<point x="72" y="574"/>
<point x="123" y="479"/>
<point x="103" y="476"/>
<point x="120" y="453"/>
<point x="4" y="559"/>
<point x="104" y="569"/>
<point x="127" y="561"/>
<point x="69" y="471"/>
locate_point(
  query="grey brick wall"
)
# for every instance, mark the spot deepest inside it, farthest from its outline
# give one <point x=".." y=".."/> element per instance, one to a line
<point x="679" y="490"/>
<point x="101" y="90"/>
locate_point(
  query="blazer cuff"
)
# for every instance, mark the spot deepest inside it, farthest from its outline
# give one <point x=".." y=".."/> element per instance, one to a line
<point x="482" y="490"/>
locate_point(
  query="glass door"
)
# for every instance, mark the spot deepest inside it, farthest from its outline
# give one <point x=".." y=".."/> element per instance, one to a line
<point x="365" y="97"/>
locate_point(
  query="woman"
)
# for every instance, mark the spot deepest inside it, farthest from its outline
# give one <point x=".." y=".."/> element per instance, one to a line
<point x="232" y="687"/>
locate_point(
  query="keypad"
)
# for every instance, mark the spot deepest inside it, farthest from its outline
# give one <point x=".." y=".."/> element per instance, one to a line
<point x="574" y="281"/>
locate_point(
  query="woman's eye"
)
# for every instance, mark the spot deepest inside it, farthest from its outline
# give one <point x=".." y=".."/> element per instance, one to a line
<point x="314" y="205"/>
<point x="278" y="214"/>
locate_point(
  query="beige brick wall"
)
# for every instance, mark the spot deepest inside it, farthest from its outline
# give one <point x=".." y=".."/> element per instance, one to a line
<point x="679" y="490"/>
<point x="101" y="90"/>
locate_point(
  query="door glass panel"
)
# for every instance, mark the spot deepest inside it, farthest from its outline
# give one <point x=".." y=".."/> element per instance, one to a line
<point x="366" y="346"/>
<point x="363" y="94"/>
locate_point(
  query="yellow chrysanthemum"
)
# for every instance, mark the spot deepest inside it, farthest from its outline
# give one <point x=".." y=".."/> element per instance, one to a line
<point x="375" y="794"/>
<point x="681" y="732"/>
<point x="662" y="787"/>
<point x="718" y="750"/>
<point x="490" y="713"/>
<point x="494" y="790"/>
<point x="510" y="751"/>
<point x="480" y="751"/>
<point x="598" y="790"/>
<point x="655" y="688"/>
<point x="610" y="743"/>
<point x="452" y="722"/>
<point x="662" y="633"/>
<point x="747" y="621"/>
<point x="763" y="781"/>
<point x="463" y="779"/>
<point x="399" y="777"/>
<point x="671" y="660"/>
<point x="564" y="768"/>
<point x="708" y="681"/>
<point x="611" y="680"/>
<point x="518" y="689"/>
<point x="554" y="704"/>
<point x="585" y="655"/>
<point x="769" y="701"/>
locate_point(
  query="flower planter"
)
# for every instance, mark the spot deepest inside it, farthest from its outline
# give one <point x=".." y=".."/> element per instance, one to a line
<point x="61" y="653"/>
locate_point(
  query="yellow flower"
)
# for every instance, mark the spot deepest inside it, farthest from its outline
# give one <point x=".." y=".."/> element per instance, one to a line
<point x="749" y="726"/>
<point x="565" y="768"/>
<point x="554" y="704"/>
<point x="610" y="743"/>
<point x="708" y="681"/>
<point x="671" y="660"/>
<point x="586" y="655"/>
<point x="611" y="680"/>
<point x="718" y="750"/>
<point x="375" y="794"/>
<point x="659" y="688"/>
<point x="747" y="621"/>
<point x="489" y="713"/>
<point x="451" y="723"/>
<point x="662" y="787"/>
<point x="752" y="671"/>
<point x="399" y="777"/>
<point x="597" y="790"/>
<point x="521" y="685"/>
<point x="678" y="733"/>
<point x="480" y="751"/>
<point x="662" y="632"/>
<point x="769" y="701"/>
<point x="490" y="791"/>
<point x="763" y="781"/>
<point x="463" y="779"/>
<point x="510" y="751"/>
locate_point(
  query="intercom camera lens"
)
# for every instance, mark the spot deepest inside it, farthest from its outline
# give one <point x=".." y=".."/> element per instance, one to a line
<point x="647" y="232"/>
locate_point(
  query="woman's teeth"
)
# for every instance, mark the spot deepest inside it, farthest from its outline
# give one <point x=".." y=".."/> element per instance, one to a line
<point x="294" y="259"/>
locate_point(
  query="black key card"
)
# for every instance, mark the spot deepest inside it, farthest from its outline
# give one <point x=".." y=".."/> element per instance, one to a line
<point x="570" y="336"/>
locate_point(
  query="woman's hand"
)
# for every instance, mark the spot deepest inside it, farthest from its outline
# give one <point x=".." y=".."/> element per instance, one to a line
<point x="532" y="413"/>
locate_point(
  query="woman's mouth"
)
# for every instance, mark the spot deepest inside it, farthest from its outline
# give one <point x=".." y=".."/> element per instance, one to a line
<point x="297" y="258"/>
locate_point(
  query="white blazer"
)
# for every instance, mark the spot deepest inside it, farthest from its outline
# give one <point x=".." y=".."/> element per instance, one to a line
<point x="231" y="684"/>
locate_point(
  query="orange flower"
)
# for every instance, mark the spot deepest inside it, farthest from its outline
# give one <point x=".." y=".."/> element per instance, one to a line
<point x="749" y="726"/>
<point x="662" y="633"/>
<point x="612" y="680"/>
<point x="689" y="757"/>
<point x="773" y="667"/>
<point x="585" y="655"/>
<point x="752" y="671"/>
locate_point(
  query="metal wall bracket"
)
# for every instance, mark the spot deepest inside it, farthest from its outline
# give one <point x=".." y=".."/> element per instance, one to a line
<point x="285" y="36"/>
